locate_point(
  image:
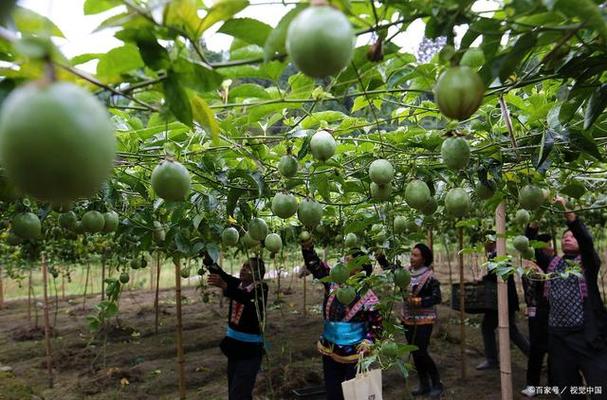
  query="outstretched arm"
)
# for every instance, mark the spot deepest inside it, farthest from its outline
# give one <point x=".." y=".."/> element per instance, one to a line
<point x="314" y="264"/>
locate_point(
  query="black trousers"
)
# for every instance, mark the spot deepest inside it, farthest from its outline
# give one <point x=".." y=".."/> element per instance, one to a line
<point x="241" y="377"/>
<point x="571" y="355"/>
<point x="336" y="373"/>
<point x="419" y="335"/>
<point x="538" y="347"/>
<point x="488" y="326"/>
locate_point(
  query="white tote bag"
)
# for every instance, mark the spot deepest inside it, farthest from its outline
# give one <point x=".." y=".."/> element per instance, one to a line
<point x="365" y="386"/>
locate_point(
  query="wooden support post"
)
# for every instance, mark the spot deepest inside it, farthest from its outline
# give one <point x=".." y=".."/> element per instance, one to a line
<point x="102" y="278"/>
<point x="86" y="283"/>
<point x="462" y="315"/>
<point x="502" y="305"/>
<point x="47" y="328"/>
<point x="430" y="240"/>
<point x="1" y="291"/>
<point x="179" y="341"/>
<point x="305" y="296"/>
<point x="156" y="305"/>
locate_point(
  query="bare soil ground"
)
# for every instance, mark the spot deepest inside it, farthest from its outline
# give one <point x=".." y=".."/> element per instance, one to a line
<point x="137" y="364"/>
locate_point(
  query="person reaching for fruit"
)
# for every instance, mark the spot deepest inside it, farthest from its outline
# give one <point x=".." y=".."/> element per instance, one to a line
<point x="351" y="321"/>
<point x="418" y="316"/>
<point x="243" y="344"/>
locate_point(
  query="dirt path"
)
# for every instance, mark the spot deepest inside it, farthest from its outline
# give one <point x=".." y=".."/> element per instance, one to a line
<point x="136" y="364"/>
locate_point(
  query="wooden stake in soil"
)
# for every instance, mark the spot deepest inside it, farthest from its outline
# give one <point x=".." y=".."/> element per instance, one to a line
<point x="305" y="296"/>
<point x="86" y="284"/>
<point x="502" y="306"/>
<point x="47" y="328"/>
<point x="29" y="298"/>
<point x="1" y="291"/>
<point x="102" y="278"/>
<point x="156" y="308"/>
<point x="180" y="356"/>
<point x="462" y="315"/>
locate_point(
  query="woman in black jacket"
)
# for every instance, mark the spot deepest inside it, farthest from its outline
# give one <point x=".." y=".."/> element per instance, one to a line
<point x="418" y="316"/>
<point x="243" y="343"/>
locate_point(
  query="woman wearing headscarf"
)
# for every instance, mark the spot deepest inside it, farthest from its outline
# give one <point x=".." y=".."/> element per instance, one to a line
<point x="418" y="316"/>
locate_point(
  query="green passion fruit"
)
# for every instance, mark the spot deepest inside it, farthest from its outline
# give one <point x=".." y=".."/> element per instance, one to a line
<point x="459" y="92"/>
<point x="417" y="194"/>
<point x="521" y="243"/>
<point x="339" y="274"/>
<point x="346" y="295"/>
<point x="158" y="234"/>
<point x="93" y="221"/>
<point x="381" y="192"/>
<point x="171" y="181"/>
<point x="124" y="278"/>
<point x="111" y="221"/>
<point x="320" y="41"/>
<point x="230" y="236"/>
<point x="322" y="145"/>
<point x="249" y="242"/>
<point x="402" y="278"/>
<point x="273" y="242"/>
<point x="522" y="217"/>
<point x="400" y="224"/>
<point x="68" y="220"/>
<point x="27" y="226"/>
<point x="381" y="172"/>
<point x="284" y="205"/>
<point x="457" y="202"/>
<point x="304" y="236"/>
<point x="531" y="197"/>
<point x="351" y="240"/>
<point x="485" y="192"/>
<point x="309" y="212"/>
<point x="455" y="152"/>
<point x="258" y="229"/>
<point x="287" y="166"/>
<point x="56" y="141"/>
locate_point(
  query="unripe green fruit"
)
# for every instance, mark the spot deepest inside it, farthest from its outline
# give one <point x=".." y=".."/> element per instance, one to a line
<point x="522" y="217"/>
<point x="389" y="350"/>
<point x="346" y="295"/>
<point x="528" y="254"/>
<point x="430" y="207"/>
<point x="322" y="145"/>
<point x="258" y="229"/>
<point x="93" y="221"/>
<point x="249" y="242"/>
<point x="284" y="205"/>
<point x="56" y="141"/>
<point x="27" y="226"/>
<point x="381" y="192"/>
<point x="455" y="152"/>
<point x="309" y="212"/>
<point x="400" y="224"/>
<point x="339" y="274"/>
<point x="417" y="194"/>
<point x="110" y="221"/>
<point x="459" y="92"/>
<point x="351" y="240"/>
<point x="273" y="242"/>
<point x="287" y="166"/>
<point x="531" y="197"/>
<point x="304" y="236"/>
<point x="230" y="236"/>
<point x="521" y="243"/>
<point x="171" y="181"/>
<point x="402" y="278"/>
<point x="320" y="41"/>
<point x="484" y="192"/>
<point x="124" y="278"/>
<point x="381" y="172"/>
<point x="68" y="220"/>
<point x="457" y="202"/>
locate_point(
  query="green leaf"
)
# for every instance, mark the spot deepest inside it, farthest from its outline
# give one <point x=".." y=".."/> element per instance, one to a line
<point x="84" y="58"/>
<point x="587" y="11"/>
<point x="177" y="99"/>
<point x="183" y="15"/>
<point x="508" y="62"/>
<point x="205" y="117"/>
<point x="233" y="196"/>
<point x="220" y="11"/>
<point x="28" y="21"/>
<point x="583" y="141"/>
<point x="575" y="189"/>
<point x="117" y="62"/>
<point x="247" y="29"/>
<point x="196" y="76"/>
<point x="153" y="54"/>
<point x="249" y="90"/>
<point x="275" y="43"/>
<point x="595" y="106"/>
<point x="98" y="6"/>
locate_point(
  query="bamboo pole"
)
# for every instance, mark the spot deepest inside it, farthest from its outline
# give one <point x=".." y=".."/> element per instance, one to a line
<point x="1" y="291"/>
<point x="156" y="308"/>
<point x="462" y="314"/>
<point x="502" y="305"/>
<point x="86" y="284"/>
<point x="102" y="278"/>
<point x="47" y="328"/>
<point x="180" y="355"/>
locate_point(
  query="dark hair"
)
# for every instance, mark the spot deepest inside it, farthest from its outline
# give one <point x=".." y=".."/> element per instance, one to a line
<point x="566" y="230"/>
<point x="258" y="268"/>
<point x="368" y="268"/>
<point x="426" y="254"/>
<point x="544" y="237"/>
